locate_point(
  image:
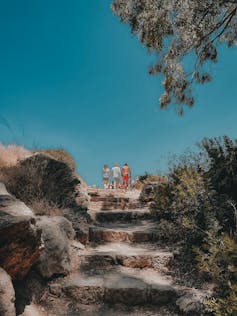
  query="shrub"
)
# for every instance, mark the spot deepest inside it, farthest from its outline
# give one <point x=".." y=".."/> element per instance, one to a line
<point x="61" y="155"/>
<point x="185" y="202"/>
<point x="219" y="260"/>
<point x="221" y="156"/>
<point x="42" y="178"/>
<point x="197" y="206"/>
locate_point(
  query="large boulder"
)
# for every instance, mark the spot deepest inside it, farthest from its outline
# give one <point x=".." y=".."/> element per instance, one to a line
<point x="57" y="234"/>
<point x="20" y="239"/>
<point x="7" y="295"/>
<point x="80" y="222"/>
<point x="11" y="205"/>
<point x="148" y="192"/>
<point x="51" y="187"/>
<point x="43" y="177"/>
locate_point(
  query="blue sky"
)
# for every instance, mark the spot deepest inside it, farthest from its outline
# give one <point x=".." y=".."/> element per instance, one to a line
<point x="72" y="76"/>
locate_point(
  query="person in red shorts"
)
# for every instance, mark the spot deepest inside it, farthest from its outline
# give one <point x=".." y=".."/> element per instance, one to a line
<point x="126" y="174"/>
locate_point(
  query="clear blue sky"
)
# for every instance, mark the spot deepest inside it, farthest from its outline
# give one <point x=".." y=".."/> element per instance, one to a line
<point x="72" y="76"/>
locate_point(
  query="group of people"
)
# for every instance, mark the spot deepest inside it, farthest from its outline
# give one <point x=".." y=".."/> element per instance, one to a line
<point x="121" y="177"/>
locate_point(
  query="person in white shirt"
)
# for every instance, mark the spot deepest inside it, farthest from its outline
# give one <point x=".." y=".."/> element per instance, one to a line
<point x="116" y="174"/>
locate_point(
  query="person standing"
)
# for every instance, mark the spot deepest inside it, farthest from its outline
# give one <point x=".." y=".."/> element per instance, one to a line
<point x="126" y="175"/>
<point x="105" y="176"/>
<point x="116" y="174"/>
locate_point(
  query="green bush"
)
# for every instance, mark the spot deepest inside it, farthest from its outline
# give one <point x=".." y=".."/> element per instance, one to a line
<point x="184" y="202"/>
<point x="196" y="210"/>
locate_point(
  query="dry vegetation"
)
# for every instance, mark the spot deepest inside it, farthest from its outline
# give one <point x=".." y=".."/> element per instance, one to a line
<point x="11" y="154"/>
<point x="59" y="154"/>
<point x="44" y="185"/>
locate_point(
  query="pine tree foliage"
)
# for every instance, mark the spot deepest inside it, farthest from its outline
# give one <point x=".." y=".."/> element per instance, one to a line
<point x="176" y="29"/>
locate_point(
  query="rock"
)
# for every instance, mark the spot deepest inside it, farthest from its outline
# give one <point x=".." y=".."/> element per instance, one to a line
<point x="80" y="222"/>
<point x="3" y="190"/>
<point x="20" y="243"/>
<point x="42" y="180"/>
<point x="113" y="199"/>
<point x="7" y="295"/>
<point x="57" y="233"/>
<point x="126" y="233"/>
<point x="192" y="301"/>
<point x="12" y="206"/>
<point x="51" y="179"/>
<point x="29" y="291"/>
<point x="82" y="197"/>
<point x="148" y="192"/>
<point x="33" y="310"/>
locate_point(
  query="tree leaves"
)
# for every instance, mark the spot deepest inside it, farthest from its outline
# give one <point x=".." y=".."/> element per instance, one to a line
<point x="175" y="29"/>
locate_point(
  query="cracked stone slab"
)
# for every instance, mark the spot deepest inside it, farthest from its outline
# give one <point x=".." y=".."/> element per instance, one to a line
<point x="132" y="256"/>
<point x="127" y="286"/>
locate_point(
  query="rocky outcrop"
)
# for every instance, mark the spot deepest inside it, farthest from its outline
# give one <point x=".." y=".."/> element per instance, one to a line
<point x="80" y="222"/>
<point x="11" y="205"/>
<point x="45" y="177"/>
<point x="20" y="242"/>
<point x="57" y="233"/>
<point x="7" y="295"/>
<point x="41" y="180"/>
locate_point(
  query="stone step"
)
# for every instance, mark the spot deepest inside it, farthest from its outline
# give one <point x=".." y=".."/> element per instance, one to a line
<point x="143" y="232"/>
<point x="121" y="216"/>
<point x="126" y="286"/>
<point x="118" y="204"/>
<point x="113" y="199"/>
<point x="106" y="257"/>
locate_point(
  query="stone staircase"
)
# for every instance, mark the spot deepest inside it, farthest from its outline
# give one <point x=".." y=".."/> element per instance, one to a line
<point x="122" y="266"/>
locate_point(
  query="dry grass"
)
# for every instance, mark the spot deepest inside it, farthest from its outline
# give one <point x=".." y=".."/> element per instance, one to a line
<point x="44" y="207"/>
<point x="11" y="154"/>
<point x="59" y="154"/>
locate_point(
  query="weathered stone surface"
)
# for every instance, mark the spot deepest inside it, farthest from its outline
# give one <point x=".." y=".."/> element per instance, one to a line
<point x="86" y="294"/>
<point x="148" y="192"/>
<point x="7" y="295"/>
<point x="80" y="222"/>
<point x="29" y="290"/>
<point x="140" y="262"/>
<point x="162" y="294"/>
<point x="108" y="255"/>
<point x="11" y="205"/>
<point x="120" y="216"/>
<point x="130" y="296"/>
<point x="192" y="301"/>
<point x="97" y="263"/>
<point x="113" y="199"/>
<point x="20" y="244"/>
<point x="127" y="286"/>
<point x="57" y="233"/>
<point x="82" y="197"/>
<point x="102" y="234"/>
